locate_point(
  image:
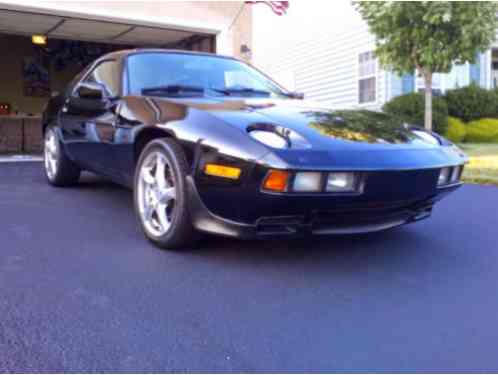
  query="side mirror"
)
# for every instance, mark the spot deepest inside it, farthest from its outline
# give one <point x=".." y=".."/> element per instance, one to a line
<point x="297" y="95"/>
<point x="93" y="91"/>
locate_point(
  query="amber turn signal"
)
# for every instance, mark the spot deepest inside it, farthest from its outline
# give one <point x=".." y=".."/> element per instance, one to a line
<point x="222" y="171"/>
<point x="276" y="181"/>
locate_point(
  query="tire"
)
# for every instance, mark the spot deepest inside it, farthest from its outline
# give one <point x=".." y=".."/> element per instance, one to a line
<point x="161" y="199"/>
<point x="59" y="169"/>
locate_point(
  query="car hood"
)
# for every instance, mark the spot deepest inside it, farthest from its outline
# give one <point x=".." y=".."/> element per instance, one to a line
<point x="332" y="137"/>
<point x="320" y="126"/>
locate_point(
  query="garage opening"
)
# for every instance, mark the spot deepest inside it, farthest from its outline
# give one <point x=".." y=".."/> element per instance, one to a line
<point x="41" y="53"/>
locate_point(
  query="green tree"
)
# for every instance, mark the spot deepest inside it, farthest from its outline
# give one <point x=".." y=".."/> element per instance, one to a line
<point x="429" y="36"/>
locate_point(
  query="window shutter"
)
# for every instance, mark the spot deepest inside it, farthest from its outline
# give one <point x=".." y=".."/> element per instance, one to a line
<point x="407" y="83"/>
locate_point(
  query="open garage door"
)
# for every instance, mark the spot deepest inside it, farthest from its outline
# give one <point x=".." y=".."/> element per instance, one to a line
<point x="63" y="27"/>
<point x="70" y="28"/>
<point x="30" y="73"/>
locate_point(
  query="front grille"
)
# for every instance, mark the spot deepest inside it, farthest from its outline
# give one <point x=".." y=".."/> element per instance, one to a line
<point x="337" y="219"/>
<point x="371" y="215"/>
<point x="401" y="185"/>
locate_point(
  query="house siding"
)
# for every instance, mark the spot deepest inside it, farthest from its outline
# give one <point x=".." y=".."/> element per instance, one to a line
<point x="323" y="64"/>
<point x="326" y="69"/>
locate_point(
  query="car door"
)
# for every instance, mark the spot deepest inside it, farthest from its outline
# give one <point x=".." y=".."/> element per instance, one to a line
<point x="89" y="115"/>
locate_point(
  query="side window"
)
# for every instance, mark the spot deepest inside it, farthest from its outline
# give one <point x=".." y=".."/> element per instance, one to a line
<point x="107" y="73"/>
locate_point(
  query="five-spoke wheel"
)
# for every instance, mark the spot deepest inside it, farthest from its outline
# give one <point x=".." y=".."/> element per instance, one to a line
<point x="156" y="193"/>
<point x="60" y="170"/>
<point x="160" y="192"/>
<point x="51" y="154"/>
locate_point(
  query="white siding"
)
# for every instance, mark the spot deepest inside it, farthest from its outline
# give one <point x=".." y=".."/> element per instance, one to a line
<point x="315" y="50"/>
<point x="323" y="64"/>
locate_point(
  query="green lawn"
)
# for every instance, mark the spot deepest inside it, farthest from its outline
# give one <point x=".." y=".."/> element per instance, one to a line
<point x="483" y="165"/>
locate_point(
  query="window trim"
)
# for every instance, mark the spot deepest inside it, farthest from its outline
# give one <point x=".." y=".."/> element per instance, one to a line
<point x="375" y="75"/>
<point x="94" y="66"/>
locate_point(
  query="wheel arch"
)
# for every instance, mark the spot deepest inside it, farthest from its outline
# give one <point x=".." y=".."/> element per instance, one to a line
<point x="45" y="123"/>
<point x="150" y="133"/>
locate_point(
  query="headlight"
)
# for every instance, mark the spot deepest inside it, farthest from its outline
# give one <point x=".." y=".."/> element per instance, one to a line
<point x="277" y="136"/>
<point x="312" y="182"/>
<point x="449" y="175"/>
<point x="307" y="181"/>
<point x="455" y="174"/>
<point x="429" y="138"/>
<point x="341" y="182"/>
<point x="444" y="176"/>
<point x="269" y="138"/>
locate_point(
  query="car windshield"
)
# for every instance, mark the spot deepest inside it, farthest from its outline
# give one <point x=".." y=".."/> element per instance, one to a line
<point x="170" y="74"/>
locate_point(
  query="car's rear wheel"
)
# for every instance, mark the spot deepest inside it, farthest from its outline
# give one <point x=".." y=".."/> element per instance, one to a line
<point x="59" y="169"/>
<point x="160" y="192"/>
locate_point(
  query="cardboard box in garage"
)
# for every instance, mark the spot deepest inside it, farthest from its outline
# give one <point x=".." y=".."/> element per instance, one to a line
<point x="20" y="134"/>
<point x="32" y="135"/>
<point x="11" y="134"/>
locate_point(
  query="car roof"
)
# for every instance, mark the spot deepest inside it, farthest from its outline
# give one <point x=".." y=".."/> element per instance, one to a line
<point x="121" y="54"/>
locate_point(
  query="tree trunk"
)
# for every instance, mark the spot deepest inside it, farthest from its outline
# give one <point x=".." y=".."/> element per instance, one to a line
<point x="428" y="100"/>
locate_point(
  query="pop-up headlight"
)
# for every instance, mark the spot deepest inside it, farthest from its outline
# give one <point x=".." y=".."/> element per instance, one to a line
<point x="269" y="138"/>
<point x="277" y="136"/>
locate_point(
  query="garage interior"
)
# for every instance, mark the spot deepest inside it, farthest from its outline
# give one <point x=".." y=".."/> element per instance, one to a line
<point x="31" y="72"/>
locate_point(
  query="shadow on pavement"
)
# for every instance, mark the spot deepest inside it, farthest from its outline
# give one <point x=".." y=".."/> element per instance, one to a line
<point x="314" y="248"/>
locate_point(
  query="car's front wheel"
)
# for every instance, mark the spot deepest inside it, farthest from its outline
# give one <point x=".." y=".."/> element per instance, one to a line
<point x="59" y="169"/>
<point x="160" y="193"/>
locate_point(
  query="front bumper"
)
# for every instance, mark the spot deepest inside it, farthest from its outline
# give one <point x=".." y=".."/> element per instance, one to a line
<point x="346" y="219"/>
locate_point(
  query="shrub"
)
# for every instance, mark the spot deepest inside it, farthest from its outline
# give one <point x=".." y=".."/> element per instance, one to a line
<point x="411" y="108"/>
<point x="482" y="131"/>
<point x="456" y="130"/>
<point x="472" y="103"/>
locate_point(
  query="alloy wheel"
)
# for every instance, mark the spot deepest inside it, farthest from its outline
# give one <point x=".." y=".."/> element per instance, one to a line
<point x="156" y="194"/>
<point x="51" y="154"/>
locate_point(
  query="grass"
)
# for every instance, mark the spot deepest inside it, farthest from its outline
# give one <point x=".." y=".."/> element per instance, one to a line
<point x="483" y="165"/>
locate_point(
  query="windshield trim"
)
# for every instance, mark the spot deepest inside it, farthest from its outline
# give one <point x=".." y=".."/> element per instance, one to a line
<point x="126" y="88"/>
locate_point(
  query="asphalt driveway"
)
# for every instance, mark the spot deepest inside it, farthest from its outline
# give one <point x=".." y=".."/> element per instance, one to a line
<point x="81" y="290"/>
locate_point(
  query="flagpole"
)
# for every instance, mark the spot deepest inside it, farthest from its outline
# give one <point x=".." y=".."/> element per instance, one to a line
<point x="237" y="16"/>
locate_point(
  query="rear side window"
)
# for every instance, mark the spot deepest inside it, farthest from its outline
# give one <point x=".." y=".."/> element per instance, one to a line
<point x="106" y="73"/>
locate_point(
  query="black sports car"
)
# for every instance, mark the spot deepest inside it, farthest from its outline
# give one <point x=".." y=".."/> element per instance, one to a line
<point x="210" y="144"/>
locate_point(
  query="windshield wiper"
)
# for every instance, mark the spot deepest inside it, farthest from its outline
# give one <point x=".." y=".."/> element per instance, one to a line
<point x="172" y="90"/>
<point x="241" y="90"/>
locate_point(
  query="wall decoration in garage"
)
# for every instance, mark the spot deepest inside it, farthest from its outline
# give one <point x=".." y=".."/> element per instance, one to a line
<point x="36" y="78"/>
<point x="5" y="109"/>
<point x="66" y="52"/>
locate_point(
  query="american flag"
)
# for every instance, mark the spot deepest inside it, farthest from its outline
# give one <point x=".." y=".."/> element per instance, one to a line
<point x="278" y="7"/>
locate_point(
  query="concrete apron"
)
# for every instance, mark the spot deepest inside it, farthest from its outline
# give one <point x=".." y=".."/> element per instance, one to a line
<point x="20" y="158"/>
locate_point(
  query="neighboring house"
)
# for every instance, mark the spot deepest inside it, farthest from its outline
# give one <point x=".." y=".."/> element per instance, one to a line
<point x="331" y="60"/>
